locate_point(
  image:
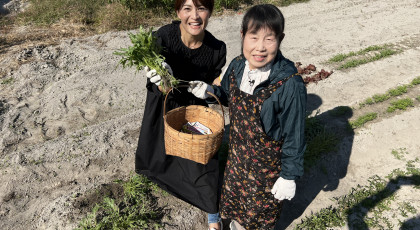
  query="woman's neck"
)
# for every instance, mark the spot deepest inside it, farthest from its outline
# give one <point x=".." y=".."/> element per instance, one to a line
<point x="191" y="41"/>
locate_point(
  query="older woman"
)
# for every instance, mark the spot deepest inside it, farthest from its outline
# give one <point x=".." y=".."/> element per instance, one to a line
<point x="191" y="53"/>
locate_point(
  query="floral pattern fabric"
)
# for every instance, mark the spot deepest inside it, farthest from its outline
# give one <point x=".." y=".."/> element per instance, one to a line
<point x="254" y="162"/>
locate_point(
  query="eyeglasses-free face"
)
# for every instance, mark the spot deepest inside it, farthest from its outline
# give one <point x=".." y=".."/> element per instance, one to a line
<point x="194" y="19"/>
<point x="260" y="47"/>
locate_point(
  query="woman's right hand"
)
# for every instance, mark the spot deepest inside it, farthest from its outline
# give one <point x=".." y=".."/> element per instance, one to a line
<point x="156" y="78"/>
<point x="153" y="76"/>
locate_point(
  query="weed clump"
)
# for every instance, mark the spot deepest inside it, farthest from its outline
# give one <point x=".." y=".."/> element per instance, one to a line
<point x="416" y="81"/>
<point x="137" y="210"/>
<point x="360" y="121"/>
<point x="369" y="54"/>
<point x="401" y="104"/>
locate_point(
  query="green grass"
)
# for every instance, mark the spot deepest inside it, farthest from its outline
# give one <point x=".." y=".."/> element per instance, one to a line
<point x="357" y="62"/>
<point x="362" y="56"/>
<point x="7" y="81"/>
<point x="399" y="153"/>
<point x="342" y="57"/>
<point x="137" y="210"/>
<point x="367" y="101"/>
<point x="319" y="141"/>
<point x="380" y="97"/>
<point x="415" y="81"/>
<point x="400" y="90"/>
<point x="360" y="121"/>
<point x="401" y="104"/>
<point x="363" y="206"/>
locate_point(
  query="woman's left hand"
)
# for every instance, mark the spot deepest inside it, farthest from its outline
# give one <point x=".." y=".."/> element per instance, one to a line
<point x="200" y="89"/>
<point x="284" y="189"/>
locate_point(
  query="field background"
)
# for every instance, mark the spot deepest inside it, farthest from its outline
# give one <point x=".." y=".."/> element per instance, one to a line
<point x="70" y="118"/>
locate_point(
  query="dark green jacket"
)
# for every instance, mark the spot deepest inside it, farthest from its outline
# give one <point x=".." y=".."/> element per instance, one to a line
<point x="282" y="114"/>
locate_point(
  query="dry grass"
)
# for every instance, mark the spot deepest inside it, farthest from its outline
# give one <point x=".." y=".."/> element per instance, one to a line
<point x="45" y="24"/>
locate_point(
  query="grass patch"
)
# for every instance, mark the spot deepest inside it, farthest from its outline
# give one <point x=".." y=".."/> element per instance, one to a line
<point x="401" y="104"/>
<point x="418" y="98"/>
<point x="97" y="15"/>
<point x="7" y="81"/>
<point x="105" y="15"/>
<point x="415" y="81"/>
<point x="362" y="56"/>
<point x="380" y="97"/>
<point x="137" y="210"/>
<point x="364" y="206"/>
<point x="337" y="216"/>
<point x="319" y="141"/>
<point x="399" y="153"/>
<point x="367" y="101"/>
<point x="342" y="57"/>
<point x="47" y="12"/>
<point x="360" y="121"/>
<point x="400" y="90"/>
<point x="354" y="63"/>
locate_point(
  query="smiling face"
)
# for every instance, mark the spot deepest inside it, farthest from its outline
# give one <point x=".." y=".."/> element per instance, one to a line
<point x="194" y="18"/>
<point x="260" y="47"/>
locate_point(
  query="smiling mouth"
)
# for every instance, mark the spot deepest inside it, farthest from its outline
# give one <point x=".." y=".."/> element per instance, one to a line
<point x="259" y="57"/>
<point x="195" y="24"/>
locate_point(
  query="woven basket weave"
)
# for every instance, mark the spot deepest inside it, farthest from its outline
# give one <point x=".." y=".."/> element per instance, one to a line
<point x="198" y="148"/>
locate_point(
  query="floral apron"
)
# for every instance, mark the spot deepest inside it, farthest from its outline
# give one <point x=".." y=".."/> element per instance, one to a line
<point x="253" y="164"/>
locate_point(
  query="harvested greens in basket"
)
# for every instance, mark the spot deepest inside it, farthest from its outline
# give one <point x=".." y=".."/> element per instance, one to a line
<point x="145" y="51"/>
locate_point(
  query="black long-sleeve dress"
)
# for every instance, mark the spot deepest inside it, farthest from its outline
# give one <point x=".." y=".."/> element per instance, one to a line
<point x="190" y="181"/>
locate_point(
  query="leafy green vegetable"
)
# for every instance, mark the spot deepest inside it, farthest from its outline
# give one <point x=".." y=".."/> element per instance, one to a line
<point x="145" y="51"/>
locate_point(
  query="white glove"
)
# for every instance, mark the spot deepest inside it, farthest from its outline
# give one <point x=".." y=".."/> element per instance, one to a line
<point x="200" y="89"/>
<point x="284" y="189"/>
<point x="154" y="77"/>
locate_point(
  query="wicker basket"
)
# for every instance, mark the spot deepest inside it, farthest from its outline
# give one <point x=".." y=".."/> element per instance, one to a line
<point x="198" y="148"/>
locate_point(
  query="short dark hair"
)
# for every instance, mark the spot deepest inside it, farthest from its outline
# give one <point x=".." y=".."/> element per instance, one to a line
<point x="209" y="4"/>
<point x="263" y="15"/>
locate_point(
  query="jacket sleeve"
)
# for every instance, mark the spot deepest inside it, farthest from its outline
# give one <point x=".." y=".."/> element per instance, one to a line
<point x="222" y="91"/>
<point x="291" y="120"/>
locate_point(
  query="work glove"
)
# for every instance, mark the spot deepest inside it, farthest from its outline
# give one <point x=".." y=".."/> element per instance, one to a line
<point x="154" y="77"/>
<point x="284" y="189"/>
<point x="200" y="89"/>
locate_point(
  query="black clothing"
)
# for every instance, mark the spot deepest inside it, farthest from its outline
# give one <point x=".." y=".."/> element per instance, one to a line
<point x="192" y="182"/>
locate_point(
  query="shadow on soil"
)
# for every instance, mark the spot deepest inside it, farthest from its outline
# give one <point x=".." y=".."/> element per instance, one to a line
<point x="326" y="173"/>
<point x="360" y="211"/>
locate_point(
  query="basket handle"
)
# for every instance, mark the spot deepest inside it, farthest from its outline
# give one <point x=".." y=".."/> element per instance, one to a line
<point x="166" y="97"/>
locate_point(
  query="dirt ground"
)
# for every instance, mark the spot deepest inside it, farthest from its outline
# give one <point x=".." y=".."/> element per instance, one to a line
<point x="70" y="119"/>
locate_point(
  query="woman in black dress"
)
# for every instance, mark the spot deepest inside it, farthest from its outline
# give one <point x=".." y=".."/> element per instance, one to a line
<point x="192" y="53"/>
